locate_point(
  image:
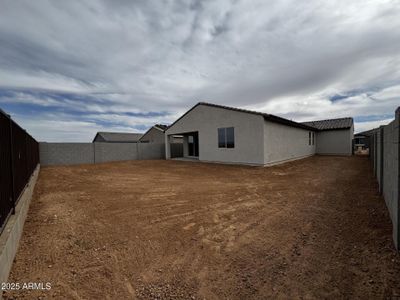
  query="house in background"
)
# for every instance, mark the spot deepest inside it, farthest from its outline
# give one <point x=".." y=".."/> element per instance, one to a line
<point x="117" y="137"/>
<point x="334" y="136"/>
<point x="362" y="142"/>
<point x="217" y="133"/>
<point x="154" y="135"/>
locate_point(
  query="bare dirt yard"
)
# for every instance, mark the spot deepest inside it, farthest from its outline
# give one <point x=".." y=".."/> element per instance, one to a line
<point x="314" y="228"/>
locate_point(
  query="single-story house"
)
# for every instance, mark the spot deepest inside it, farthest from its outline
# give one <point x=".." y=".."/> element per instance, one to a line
<point x="117" y="137"/>
<point x="334" y="136"/>
<point x="217" y="133"/>
<point x="362" y="142"/>
<point x="154" y="135"/>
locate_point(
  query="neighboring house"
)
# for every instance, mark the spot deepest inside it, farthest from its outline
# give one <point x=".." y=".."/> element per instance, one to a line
<point x="362" y="142"/>
<point x="117" y="137"/>
<point x="334" y="136"/>
<point x="154" y="135"/>
<point x="224" y="134"/>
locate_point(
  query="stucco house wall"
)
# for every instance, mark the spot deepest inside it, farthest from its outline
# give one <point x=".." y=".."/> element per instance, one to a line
<point x="335" y="142"/>
<point x="284" y="143"/>
<point x="249" y="134"/>
<point x="154" y="135"/>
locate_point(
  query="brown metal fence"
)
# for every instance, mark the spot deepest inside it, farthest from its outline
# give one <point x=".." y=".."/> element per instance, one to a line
<point x="19" y="156"/>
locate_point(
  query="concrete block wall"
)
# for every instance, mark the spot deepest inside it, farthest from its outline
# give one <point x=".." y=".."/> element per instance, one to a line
<point x="90" y="153"/>
<point x="385" y="158"/>
<point x="391" y="175"/>
<point x="66" y="153"/>
<point x="106" y="152"/>
<point x="379" y="154"/>
<point x="151" y="151"/>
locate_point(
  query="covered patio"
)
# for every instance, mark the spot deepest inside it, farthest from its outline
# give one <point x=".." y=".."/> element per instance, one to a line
<point x="190" y="146"/>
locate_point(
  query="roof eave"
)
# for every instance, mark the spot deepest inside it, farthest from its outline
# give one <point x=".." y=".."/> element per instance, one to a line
<point x="331" y="129"/>
<point x="268" y="117"/>
<point x="140" y="139"/>
<point x="287" y="122"/>
<point x="95" y="137"/>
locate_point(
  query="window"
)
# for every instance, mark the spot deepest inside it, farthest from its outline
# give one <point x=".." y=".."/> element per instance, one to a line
<point x="313" y="138"/>
<point x="221" y="137"/>
<point x="230" y="137"/>
<point x="309" y="138"/>
<point x="226" y="137"/>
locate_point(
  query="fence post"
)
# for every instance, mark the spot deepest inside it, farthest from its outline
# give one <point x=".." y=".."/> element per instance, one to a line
<point x="12" y="166"/>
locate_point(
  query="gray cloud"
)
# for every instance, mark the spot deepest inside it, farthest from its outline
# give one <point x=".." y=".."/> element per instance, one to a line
<point x="286" y="58"/>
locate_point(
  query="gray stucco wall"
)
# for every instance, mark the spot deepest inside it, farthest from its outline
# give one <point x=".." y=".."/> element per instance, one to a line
<point x="285" y="143"/>
<point x="335" y="142"/>
<point x="249" y="134"/>
<point x="89" y="153"/>
<point x="154" y="135"/>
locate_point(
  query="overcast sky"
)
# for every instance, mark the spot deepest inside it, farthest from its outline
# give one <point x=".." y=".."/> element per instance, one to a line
<point x="71" y="68"/>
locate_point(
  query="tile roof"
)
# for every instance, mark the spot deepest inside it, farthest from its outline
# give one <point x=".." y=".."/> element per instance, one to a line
<point x="341" y="123"/>
<point x="266" y="116"/>
<point x="119" y="137"/>
<point x="366" y="133"/>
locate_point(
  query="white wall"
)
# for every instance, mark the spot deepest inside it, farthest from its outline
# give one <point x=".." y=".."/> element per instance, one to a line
<point x="335" y="142"/>
<point x="249" y="134"/>
<point x="285" y="143"/>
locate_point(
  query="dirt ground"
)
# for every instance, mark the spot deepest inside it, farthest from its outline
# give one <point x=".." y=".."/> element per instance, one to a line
<point x="314" y="228"/>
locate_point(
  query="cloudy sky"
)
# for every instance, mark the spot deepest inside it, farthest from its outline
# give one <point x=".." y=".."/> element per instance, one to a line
<point x="71" y="68"/>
